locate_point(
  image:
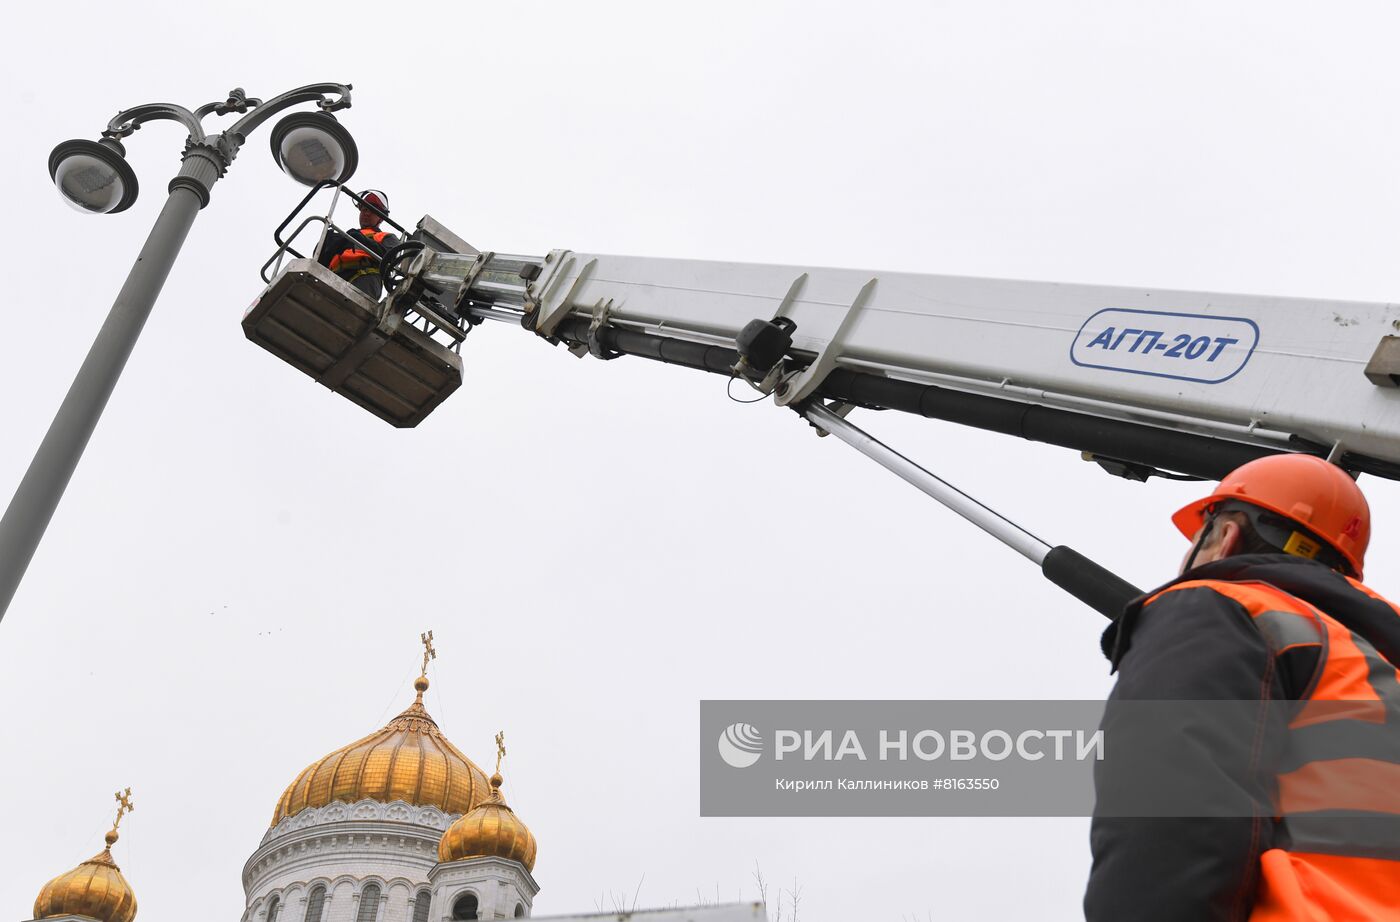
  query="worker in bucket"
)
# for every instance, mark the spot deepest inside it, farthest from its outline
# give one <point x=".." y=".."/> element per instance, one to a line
<point x="1269" y="605"/>
<point x="355" y="255"/>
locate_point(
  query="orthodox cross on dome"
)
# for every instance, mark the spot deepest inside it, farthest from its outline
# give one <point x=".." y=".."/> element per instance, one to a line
<point x="124" y="806"/>
<point x="428" y="652"/>
<point x="500" y="749"/>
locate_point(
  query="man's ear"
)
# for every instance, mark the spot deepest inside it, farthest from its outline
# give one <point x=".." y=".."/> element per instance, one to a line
<point x="1228" y="538"/>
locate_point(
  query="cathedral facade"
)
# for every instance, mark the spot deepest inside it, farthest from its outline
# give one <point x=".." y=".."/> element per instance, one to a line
<point x="399" y="826"/>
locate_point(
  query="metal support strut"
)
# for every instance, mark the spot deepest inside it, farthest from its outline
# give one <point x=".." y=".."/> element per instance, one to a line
<point x="1100" y="589"/>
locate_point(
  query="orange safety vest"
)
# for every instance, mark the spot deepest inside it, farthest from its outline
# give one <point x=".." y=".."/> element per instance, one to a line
<point x="352" y="258"/>
<point x="1338" y="802"/>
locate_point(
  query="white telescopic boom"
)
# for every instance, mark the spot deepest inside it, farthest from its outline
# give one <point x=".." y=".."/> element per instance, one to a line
<point x="1273" y="374"/>
<point x="1188" y="382"/>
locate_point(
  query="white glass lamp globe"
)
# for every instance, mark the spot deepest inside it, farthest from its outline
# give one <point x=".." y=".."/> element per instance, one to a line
<point x="312" y="147"/>
<point x="93" y="177"/>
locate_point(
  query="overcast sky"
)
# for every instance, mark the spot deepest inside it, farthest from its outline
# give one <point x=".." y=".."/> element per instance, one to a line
<point x="236" y="579"/>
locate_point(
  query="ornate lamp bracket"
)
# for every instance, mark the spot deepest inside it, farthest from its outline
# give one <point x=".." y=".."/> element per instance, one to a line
<point x="207" y="158"/>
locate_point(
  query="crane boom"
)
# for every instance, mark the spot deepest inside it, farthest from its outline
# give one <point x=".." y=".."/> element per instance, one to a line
<point x="1144" y="381"/>
<point x="1189" y="382"/>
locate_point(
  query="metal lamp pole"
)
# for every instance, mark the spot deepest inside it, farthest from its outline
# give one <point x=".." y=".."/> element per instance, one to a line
<point x="206" y="159"/>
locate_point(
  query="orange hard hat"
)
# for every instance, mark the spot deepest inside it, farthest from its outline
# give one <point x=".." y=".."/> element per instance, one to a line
<point x="1302" y="488"/>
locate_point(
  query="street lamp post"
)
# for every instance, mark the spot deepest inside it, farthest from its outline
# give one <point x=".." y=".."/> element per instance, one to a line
<point x="94" y="176"/>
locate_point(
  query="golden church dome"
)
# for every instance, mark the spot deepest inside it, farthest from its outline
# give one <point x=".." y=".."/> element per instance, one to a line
<point x="95" y="888"/>
<point x="492" y="830"/>
<point x="408" y="760"/>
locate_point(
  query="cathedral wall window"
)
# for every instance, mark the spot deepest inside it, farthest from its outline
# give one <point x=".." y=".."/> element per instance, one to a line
<point x="421" y="905"/>
<point x="273" y="909"/>
<point x="316" y="904"/>
<point x="465" y="908"/>
<point x="369" y="904"/>
<point x="519" y="910"/>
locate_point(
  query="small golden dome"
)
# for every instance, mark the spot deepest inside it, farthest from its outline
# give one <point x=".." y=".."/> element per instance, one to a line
<point x="95" y="888"/>
<point x="408" y="760"/>
<point x="492" y="830"/>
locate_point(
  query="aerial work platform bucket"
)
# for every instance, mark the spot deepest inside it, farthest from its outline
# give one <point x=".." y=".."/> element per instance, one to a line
<point x="363" y="349"/>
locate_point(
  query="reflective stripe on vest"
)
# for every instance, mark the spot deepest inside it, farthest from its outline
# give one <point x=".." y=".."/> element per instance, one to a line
<point x="1338" y="807"/>
<point x="352" y="257"/>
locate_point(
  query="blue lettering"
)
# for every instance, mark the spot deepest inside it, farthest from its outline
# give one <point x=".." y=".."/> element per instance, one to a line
<point x="1103" y="339"/>
<point x="1123" y="334"/>
<point x="1155" y="334"/>
<point x="1221" y="342"/>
